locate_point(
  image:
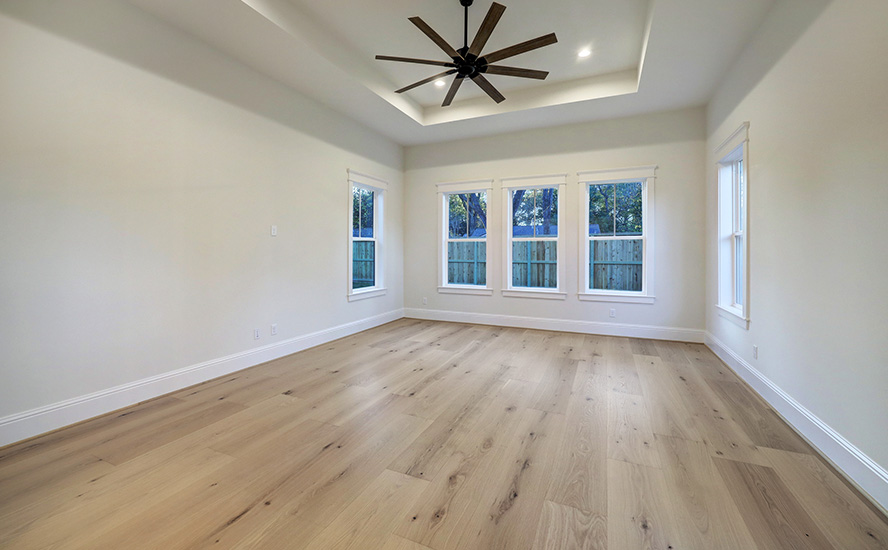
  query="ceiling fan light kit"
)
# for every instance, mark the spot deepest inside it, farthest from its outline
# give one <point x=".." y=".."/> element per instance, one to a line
<point x="467" y="62"/>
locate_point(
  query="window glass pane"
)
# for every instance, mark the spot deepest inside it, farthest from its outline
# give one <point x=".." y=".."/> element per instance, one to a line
<point x="616" y="264"/>
<point x="601" y="209"/>
<point x="356" y="212"/>
<point x="523" y="201"/>
<point x="477" y="214"/>
<point x="363" y="264"/>
<point x="535" y="264"/>
<point x="457" y="222"/>
<point x="741" y="181"/>
<point x="547" y="212"/>
<point x="628" y="215"/>
<point x="366" y="214"/>
<point x="467" y="215"/>
<point x="467" y="263"/>
<point x="739" y="269"/>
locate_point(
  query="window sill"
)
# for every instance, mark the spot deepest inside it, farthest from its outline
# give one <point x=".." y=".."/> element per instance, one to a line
<point x="364" y="294"/>
<point x="540" y="294"/>
<point x="621" y="298"/>
<point x="732" y="316"/>
<point x="471" y="290"/>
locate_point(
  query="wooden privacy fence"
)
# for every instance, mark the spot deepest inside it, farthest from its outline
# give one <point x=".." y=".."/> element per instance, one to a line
<point x="467" y="263"/>
<point x="616" y="264"/>
<point x="535" y="263"/>
<point x="363" y="264"/>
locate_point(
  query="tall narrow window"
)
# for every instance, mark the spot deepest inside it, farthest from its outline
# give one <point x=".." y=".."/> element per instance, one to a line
<point x="533" y="236"/>
<point x="617" y="235"/>
<point x="365" y="252"/>
<point x="733" y="240"/>
<point x="463" y="237"/>
<point x="739" y="223"/>
<point x="363" y="240"/>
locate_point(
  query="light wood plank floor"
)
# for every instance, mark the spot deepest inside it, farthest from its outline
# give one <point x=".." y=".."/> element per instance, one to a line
<point x="421" y="435"/>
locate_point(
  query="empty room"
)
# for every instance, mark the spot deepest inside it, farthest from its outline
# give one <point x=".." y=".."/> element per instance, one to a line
<point x="443" y="274"/>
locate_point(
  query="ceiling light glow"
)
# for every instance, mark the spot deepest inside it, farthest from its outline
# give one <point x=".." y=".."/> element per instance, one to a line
<point x="439" y="83"/>
<point x="585" y="52"/>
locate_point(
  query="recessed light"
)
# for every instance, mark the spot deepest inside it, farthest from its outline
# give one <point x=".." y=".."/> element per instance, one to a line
<point x="439" y="83"/>
<point x="585" y="52"/>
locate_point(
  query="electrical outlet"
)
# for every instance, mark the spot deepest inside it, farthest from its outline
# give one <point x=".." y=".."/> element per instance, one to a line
<point x="274" y="330"/>
<point x="425" y="301"/>
<point x="613" y="312"/>
<point x="755" y="352"/>
<point x="255" y="334"/>
<point x="274" y="231"/>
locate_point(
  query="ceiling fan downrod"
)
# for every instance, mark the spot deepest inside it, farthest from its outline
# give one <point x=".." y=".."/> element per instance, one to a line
<point x="466" y="4"/>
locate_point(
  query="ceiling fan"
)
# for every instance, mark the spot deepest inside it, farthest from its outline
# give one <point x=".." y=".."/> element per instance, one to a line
<point x="467" y="62"/>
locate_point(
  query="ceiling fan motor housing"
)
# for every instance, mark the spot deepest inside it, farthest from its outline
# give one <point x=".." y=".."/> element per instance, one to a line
<point x="468" y="64"/>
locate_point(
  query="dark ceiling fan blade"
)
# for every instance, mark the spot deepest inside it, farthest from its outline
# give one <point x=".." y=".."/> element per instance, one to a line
<point x="413" y="60"/>
<point x="436" y="38"/>
<point x="457" y="82"/>
<point x="514" y="71"/>
<point x="485" y="85"/>
<point x="490" y="21"/>
<point x="425" y="81"/>
<point x="523" y="47"/>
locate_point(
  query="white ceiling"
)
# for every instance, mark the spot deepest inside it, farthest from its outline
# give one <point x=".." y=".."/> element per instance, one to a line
<point x="370" y="28"/>
<point x="648" y="55"/>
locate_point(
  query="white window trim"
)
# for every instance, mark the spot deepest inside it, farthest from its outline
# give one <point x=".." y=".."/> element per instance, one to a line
<point x="647" y="175"/>
<point x="533" y="182"/>
<point x="379" y="187"/>
<point x="731" y="150"/>
<point x="445" y="189"/>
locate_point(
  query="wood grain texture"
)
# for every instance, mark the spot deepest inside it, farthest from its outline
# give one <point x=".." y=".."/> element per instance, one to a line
<point x="563" y="527"/>
<point x="640" y="511"/>
<point x="775" y="519"/>
<point x="844" y="519"/>
<point x="709" y="513"/>
<point x="420" y="435"/>
<point x="630" y="436"/>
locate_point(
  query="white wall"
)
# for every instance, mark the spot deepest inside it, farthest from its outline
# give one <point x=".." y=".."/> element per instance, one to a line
<point x="674" y="141"/>
<point x="818" y="192"/>
<point x="135" y="208"/>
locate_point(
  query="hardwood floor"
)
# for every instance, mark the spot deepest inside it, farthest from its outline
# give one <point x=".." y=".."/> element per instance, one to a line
<point x="422" y="435"/>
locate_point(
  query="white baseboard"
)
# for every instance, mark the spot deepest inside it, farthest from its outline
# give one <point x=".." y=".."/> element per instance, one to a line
<point x="27" y="424"/>
<point x="565" y="325"/>
<point x="864" y="472"/>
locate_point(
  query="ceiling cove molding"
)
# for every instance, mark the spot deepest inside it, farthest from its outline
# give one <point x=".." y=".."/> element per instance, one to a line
<point x="309" y="32"/>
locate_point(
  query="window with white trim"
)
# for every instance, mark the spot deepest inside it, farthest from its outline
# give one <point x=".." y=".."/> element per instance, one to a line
<point x="365" y="241"/>
<point x="533" y="217"/>
<point x="616" y="235"/>
<point x="733" y="241"/>
<point x="463" y="227"/>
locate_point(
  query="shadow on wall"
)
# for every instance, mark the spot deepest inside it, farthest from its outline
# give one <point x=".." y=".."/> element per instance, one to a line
<point x="784" y="25"/>
<point x="124" y="32"/>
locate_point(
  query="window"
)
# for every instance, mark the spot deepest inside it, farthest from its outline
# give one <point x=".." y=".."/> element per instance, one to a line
<point x="365" y="246"/>
<point x="463" y="235"/>
<point x="733" y="241"/>
<point x="533" y="267"/>
<point x="616" y="235"/>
